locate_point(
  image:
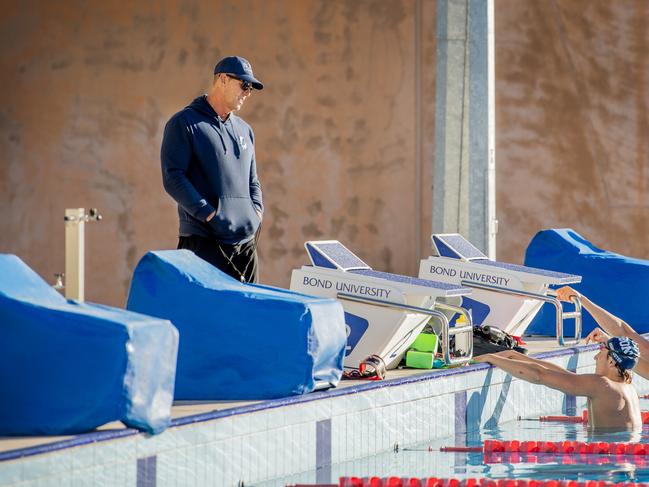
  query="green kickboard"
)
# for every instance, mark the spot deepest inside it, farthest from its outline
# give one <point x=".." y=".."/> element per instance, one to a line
<point x="425" y="342"/>
<point x="419" y="360"/>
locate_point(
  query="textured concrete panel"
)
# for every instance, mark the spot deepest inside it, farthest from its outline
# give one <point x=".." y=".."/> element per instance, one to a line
<point x="90" y="85"/>
<point x="572" y="123"/>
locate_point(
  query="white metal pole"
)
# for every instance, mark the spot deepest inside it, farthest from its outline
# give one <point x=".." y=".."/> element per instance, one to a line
<point x="492" y="222"/>
<point x="75" y="220"/>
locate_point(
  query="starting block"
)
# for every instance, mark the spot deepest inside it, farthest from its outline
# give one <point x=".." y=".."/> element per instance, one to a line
<point x="384" y="313"/>
<point x="504" y="295"/>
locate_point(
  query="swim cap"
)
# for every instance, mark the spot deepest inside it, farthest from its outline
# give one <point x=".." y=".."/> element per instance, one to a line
<point x="623" y="351"/>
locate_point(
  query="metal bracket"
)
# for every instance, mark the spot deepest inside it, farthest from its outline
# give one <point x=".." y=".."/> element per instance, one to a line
<point x="58" y="283"/>
<point x="81" y="215"/>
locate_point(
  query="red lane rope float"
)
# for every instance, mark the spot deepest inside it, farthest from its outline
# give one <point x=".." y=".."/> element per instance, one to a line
<point x="567" y="419"/>
<point x="597" y="448"/>
<point x="584" y="418"/>
<point x="568" y="446"/>
<point x="564" y="459"/>
<point x="472" y="482"/>
<point x="462" y="449"/>
<point x="564" y="419"/>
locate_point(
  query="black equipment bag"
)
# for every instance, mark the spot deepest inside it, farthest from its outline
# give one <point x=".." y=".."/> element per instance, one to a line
<point x="491" y="339"/>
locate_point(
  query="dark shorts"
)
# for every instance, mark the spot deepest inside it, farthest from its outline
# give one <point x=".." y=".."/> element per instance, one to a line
<point x="238" y="261"/>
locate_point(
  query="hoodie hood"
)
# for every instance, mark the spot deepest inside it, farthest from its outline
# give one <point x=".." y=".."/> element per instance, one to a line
<point x="200" y="104"/>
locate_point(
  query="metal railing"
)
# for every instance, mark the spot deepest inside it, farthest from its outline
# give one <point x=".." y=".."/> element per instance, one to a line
<point x="561" y="316"/>
<point x="447" y="331"/>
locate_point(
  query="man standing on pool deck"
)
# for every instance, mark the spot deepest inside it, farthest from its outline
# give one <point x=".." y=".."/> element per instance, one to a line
<point x="209" y="168"/>
<point x="611" y="326"/>
<point x="612" y="400"/>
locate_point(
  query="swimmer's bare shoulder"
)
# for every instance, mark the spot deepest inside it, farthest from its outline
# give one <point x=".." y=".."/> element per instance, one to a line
<point x="614" y="405"/>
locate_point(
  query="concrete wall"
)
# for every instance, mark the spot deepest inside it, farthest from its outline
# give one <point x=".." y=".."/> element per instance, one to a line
<point x="88" y="87"/>
<point x="344" y="129"/>
<point x="572" y="133"/>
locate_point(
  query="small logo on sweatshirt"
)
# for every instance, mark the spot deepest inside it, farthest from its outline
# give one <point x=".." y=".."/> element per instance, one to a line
<point x="242" y="142"/>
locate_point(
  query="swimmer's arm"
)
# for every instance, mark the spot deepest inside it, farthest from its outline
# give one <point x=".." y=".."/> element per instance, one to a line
<point x="537" y="372"/>
<point x="524" y="358"/>
<point x="522" y="369"/>
<point x="642" y="367"/>
<point x="610" y="323"/>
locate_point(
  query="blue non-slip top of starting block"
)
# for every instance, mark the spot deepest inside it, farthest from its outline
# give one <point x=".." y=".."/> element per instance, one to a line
<point x="454" y="289"/>
<point x="560" y="277"/>
<point x="333" y="255"/>
<point x="455" y="246"/>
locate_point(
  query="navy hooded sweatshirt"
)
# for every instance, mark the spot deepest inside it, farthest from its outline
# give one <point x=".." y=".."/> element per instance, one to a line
<point x="209" y="165"/>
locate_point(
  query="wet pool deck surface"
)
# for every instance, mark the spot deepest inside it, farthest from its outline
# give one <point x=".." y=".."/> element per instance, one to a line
<point x="187" y="409"/>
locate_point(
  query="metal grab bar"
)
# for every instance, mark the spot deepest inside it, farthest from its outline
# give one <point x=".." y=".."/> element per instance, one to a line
<point x="560" y="315"/>
<point x="447" y="332"/>
<point x="576" y="315"/>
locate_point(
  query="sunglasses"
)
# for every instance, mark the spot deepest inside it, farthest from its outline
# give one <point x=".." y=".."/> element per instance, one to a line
<point x="245" y="85"/>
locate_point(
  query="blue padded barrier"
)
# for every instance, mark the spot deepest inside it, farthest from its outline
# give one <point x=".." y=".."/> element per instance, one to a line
<point x="69" y="367"/>
<point x="617" y="283"/>
<point x="239" y="341"/>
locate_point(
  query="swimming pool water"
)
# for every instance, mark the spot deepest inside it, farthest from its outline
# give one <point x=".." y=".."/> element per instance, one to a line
<point x="425" y="460"/>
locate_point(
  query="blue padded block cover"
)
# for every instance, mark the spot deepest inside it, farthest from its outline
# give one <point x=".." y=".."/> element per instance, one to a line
<point x="617" y="283"/>
<point x="68" y="367"/>
<point x="239" y="341"/>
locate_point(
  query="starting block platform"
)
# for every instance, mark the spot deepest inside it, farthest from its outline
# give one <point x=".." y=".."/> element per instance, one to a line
<point x="384" y="312"/>
<point x="504" y="295"/>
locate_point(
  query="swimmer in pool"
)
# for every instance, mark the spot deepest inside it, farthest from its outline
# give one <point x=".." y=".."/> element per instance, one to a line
<point x="612" y="400"/>
<point x="610" y="325"/>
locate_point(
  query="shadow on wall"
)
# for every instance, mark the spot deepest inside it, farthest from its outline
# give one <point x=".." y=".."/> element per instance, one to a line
<point x="477" y="402"/>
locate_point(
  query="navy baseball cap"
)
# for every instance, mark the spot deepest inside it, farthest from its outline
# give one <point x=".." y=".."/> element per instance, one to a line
<point x="239" y="67"/>
<point x="623" y="351"/>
